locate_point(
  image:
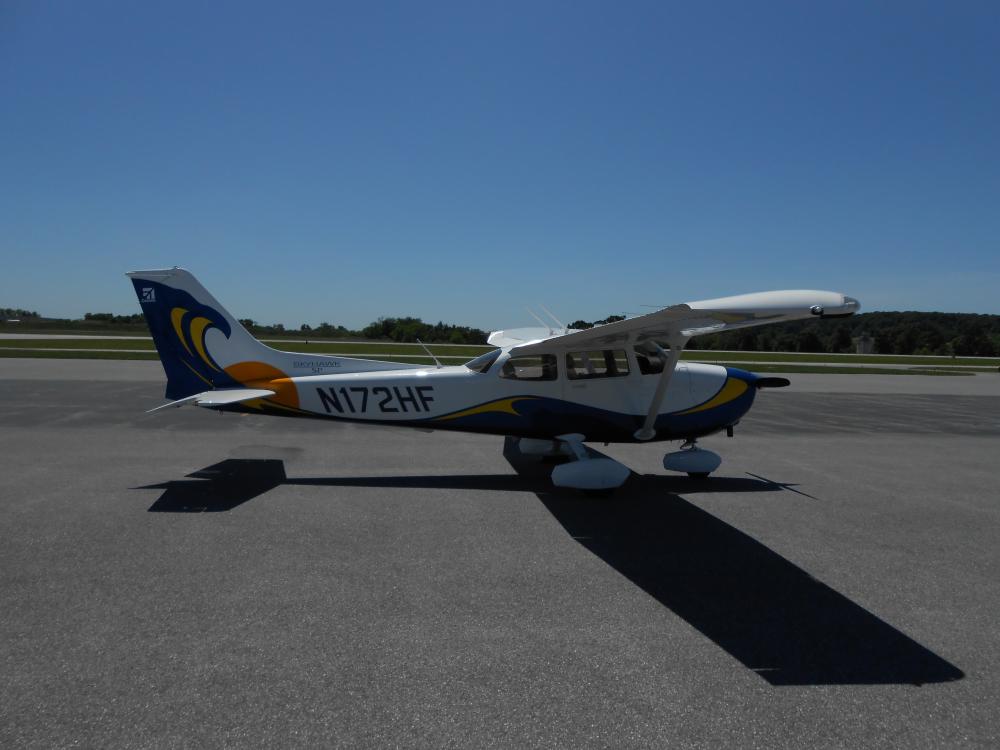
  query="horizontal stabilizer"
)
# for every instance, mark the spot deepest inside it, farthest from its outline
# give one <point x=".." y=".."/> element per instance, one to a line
<point x="212" y="399"/>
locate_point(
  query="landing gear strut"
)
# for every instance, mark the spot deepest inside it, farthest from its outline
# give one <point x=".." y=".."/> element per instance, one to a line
<point x="576" y="467"/>
<point x="696" y="462"/>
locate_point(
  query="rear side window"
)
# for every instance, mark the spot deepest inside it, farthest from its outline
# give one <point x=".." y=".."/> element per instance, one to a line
<point x="607" y="363"/>
<point x="531" y="367"/>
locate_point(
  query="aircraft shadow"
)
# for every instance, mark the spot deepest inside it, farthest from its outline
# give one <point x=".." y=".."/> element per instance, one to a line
<point x="230" y="483"/>
<point x="769" y="614"/>
<point x="219" y="487"/>
<point x="762" y="609"/>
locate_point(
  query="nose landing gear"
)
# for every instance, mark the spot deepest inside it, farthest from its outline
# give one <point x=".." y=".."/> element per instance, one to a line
<point x="696" y="462"/>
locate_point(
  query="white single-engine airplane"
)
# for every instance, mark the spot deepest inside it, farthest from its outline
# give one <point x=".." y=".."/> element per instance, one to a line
<point x="552" y="389"/>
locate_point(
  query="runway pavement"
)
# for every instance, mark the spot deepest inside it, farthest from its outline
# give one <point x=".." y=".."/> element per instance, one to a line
<point x="190" y="579"/>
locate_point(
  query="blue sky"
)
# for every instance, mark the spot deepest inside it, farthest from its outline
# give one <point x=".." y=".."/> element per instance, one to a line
<point x="461" y="161"/>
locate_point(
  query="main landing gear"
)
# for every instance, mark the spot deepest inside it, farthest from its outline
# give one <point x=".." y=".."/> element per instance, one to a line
<point x="588" y="470"/>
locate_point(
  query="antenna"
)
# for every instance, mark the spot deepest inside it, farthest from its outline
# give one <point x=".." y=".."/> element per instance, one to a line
<point x="546" y="310"/>
<point x="429" y="353"/>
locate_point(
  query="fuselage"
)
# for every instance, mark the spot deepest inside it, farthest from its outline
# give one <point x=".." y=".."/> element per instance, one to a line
<point x="701" y="399"/>
<point x="619" y="382"/>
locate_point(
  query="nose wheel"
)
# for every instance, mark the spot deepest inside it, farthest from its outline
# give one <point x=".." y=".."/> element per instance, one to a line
<point x="696" y="462"/>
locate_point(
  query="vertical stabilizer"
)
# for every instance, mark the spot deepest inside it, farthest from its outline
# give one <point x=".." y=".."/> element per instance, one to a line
<point x="197" y="339"/>
<point x="203" y="347"/>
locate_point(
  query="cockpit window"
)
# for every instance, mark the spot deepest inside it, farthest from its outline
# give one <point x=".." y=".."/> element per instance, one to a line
<point x="483" y="362"/>
<point x="530" y="367"/>
<point x="609" y="363"/>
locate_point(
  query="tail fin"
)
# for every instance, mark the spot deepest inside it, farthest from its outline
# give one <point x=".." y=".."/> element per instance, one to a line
<point x="197" y="339"/>
<point x="203" y="347"/>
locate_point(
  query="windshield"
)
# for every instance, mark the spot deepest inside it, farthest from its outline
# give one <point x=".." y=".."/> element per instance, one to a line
<point x="483" y="362"/>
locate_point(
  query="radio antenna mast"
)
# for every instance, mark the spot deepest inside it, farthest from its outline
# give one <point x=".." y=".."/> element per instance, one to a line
<point x="546" y="325"/>
<point x="429" y="353"/>
<point x="558" y="322"/>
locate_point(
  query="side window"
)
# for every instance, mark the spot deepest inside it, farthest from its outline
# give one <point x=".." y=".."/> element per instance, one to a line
<point x="532" y="367"/>
<point x="649" y="363"/>
<point x="609" y="363"/>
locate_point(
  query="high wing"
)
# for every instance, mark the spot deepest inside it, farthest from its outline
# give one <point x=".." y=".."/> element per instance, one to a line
<point x="675" y="325"/>
<point x="678" y="323"/>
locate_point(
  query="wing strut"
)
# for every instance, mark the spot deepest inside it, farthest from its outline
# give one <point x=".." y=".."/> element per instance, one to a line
<point x="646" y="432"/>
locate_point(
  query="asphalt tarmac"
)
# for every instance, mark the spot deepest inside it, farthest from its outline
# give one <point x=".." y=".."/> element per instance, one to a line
<point x="189" y="579"/>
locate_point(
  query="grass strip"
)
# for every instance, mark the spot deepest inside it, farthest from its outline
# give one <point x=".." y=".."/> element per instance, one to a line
<point x="457" y="353"/>
<point x="82" y="354"/>
<point x="375" y="348"/>
<point x="703" y="355"/>
<point x="76" y="344"/>
<point x="837" y="370"/>
<point x="152" y="356"/>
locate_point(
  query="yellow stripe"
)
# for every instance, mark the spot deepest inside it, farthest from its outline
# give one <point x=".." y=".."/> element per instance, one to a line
<point x="732" y="390"/>
<point x="503" y="406"/>
<point x="198" y="374"/>
<point x="175" y="317"/>
<point x="260" y="403"/>
<point x="198" y="337"/>
<point x="283" y="407"/>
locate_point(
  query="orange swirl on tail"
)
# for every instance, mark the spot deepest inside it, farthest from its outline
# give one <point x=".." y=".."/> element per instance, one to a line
<point x="263" y="375"/>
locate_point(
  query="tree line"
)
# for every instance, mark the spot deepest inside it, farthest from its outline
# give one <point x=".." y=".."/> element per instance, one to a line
<point x="383" y="329"/>
<point x="16" y="313"/>
<point x="944" y="334"/>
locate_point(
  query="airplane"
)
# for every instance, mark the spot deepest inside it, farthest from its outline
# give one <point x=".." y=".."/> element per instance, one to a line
<point x="550" y="389"/>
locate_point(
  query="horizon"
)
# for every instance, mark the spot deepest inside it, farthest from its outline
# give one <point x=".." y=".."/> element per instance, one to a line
<point x="291" y="327"/>
<point x="462" y="163"/>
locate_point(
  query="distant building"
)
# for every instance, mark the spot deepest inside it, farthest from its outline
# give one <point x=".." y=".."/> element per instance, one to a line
<point x="865" y="344"/>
